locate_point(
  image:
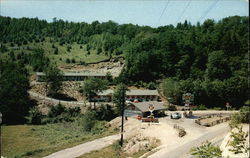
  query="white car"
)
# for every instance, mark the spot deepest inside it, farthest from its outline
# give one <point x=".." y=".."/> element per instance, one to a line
<point x="175" y="115"/>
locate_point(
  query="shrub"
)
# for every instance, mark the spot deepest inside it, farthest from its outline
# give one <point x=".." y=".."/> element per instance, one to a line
<point x="35" y="116"/>
<point x="74" y="112"/>
<point x="239" y="142"/>
<point x="240" y="117"/>
<point x="67" y="60"/>
<point x="56" y="51"/>
<point x="172" y="108"/>
<point x="60" y="113"/>
<point x="206" y="150"/>
<point x="89" y="120"/>
<point x="56" y="110"/>
<point x="105" y="112"/>
<point x="200" y="107"/>
<point x="151" y="85"/>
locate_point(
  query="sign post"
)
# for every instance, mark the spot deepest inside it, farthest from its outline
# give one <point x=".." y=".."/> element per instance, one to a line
<point x="228" y="105"/>
<point x="188" y="99"/>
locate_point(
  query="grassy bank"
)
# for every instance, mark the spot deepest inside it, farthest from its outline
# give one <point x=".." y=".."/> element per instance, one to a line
<point x="40" y="140"/>
<point x="114" y="151"/>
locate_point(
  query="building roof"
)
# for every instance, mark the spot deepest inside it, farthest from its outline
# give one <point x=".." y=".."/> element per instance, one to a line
<point x="106" y="92"/>
<point x="131" y="92"/>
<point x="143" y="106"/>
<point x="142" y="92"/>
<point x="76" y="74"/>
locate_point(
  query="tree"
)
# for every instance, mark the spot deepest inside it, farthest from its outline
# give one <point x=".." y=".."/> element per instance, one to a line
<point x="171" y="90"/>
<point x="53" y="79"/>
<point x="206" y="150"/>
<point x="119" y="97"/>
<point x="14" y="84"/>
<point x="217" y="66"/>
<point x="119" y="100"/>
<point x="92" y="86"/>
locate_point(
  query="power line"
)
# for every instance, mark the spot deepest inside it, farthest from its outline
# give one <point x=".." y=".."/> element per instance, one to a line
<point x="163" y="12"/>
<point x="183" y="11"/>
<point x="208" y="10"/>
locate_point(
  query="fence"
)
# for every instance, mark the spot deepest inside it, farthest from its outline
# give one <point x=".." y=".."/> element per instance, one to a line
<point x="212" y="123"/>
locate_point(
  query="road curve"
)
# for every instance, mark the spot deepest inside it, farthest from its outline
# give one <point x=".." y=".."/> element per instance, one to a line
<point x="84" y="148"/>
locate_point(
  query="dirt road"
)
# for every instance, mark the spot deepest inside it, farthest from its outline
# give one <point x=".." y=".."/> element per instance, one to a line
<point x="216" y="134"/>
<point x="81" y="149"/>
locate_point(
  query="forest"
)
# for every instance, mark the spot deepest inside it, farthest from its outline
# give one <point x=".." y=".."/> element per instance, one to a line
<point x="209" y="60"/>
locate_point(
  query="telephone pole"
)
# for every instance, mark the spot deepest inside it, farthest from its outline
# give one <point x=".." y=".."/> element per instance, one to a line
<point x="123" y="105"/>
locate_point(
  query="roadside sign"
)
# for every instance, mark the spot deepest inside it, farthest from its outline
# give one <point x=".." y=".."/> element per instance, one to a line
<point x="151" y="108"/>
<point x="129" y="113"/>
<point x="188" y="98"/>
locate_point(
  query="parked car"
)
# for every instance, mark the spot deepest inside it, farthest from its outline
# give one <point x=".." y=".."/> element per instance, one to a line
<point x="175" y="115"/>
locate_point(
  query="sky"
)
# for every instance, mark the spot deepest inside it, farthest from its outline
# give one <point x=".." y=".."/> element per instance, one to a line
<point x="152" y="13"/>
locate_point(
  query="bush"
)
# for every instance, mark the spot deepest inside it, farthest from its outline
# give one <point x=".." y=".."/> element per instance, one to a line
<point x="105" y="112"/>
<point x="56" y="51"/>
<point x="172" y="108"/>
<point x="206" y="150"/>
<point x="35" y="116"/>
<point x="89" y="120"/>
<point x="56" y="110"/>
<point x="239" y="141"/>
<point x="60" y="113"/>
<point x="67" y="60"/>
<point x="200" y="107"/>
<point x="240" y="117"/>
<point x="151" y="85"/>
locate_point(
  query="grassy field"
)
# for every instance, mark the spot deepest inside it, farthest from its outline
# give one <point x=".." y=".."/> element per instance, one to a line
<point x="80" y="55"/>
<point x="38" y="141"/>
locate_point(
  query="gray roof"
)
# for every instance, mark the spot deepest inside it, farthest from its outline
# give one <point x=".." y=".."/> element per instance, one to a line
<point x="106" y="92"/>
<point x="142" y="92"/>
<point x="131" y="92"/>
<point x="143" y="106"/>
<point x="76" y="74"/>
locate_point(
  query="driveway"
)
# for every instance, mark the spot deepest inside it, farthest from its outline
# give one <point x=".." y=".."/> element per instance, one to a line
<point x="81" y="149"/>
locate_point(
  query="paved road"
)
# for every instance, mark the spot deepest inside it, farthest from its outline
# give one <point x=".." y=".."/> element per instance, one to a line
<point x="81" y="149"/>
<point x="56" y="101"/>
<point x="182" y="151"/>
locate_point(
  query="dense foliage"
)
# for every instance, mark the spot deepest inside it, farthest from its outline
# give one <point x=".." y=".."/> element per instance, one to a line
<point x="209" y="60"/>
<point x="14" y="98"/>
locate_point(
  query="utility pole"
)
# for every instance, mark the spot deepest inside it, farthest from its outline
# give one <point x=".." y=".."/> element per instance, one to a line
<point x="123" y="105"/>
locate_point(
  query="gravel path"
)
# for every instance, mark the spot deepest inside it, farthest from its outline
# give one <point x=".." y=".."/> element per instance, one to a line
<point x="181" y="151"/>
<point x="81" y="149"/>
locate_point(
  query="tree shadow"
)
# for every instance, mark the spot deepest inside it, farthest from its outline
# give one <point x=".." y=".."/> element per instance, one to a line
<point x="64" y="97"/>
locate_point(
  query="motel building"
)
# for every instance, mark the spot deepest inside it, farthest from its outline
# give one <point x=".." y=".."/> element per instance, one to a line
<point x="131" y="96"/>
<point x="142" y="109"/>
<point x="73" y="76"/>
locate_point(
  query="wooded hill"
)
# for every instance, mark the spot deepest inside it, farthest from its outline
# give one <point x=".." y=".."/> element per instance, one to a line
<point x="209" y="60"/>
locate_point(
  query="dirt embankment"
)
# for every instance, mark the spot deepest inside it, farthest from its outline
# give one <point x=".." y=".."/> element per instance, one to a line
<point x="69" y="88"/>
<point x="114" y="66"/>
<point x="225" y="145"/>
